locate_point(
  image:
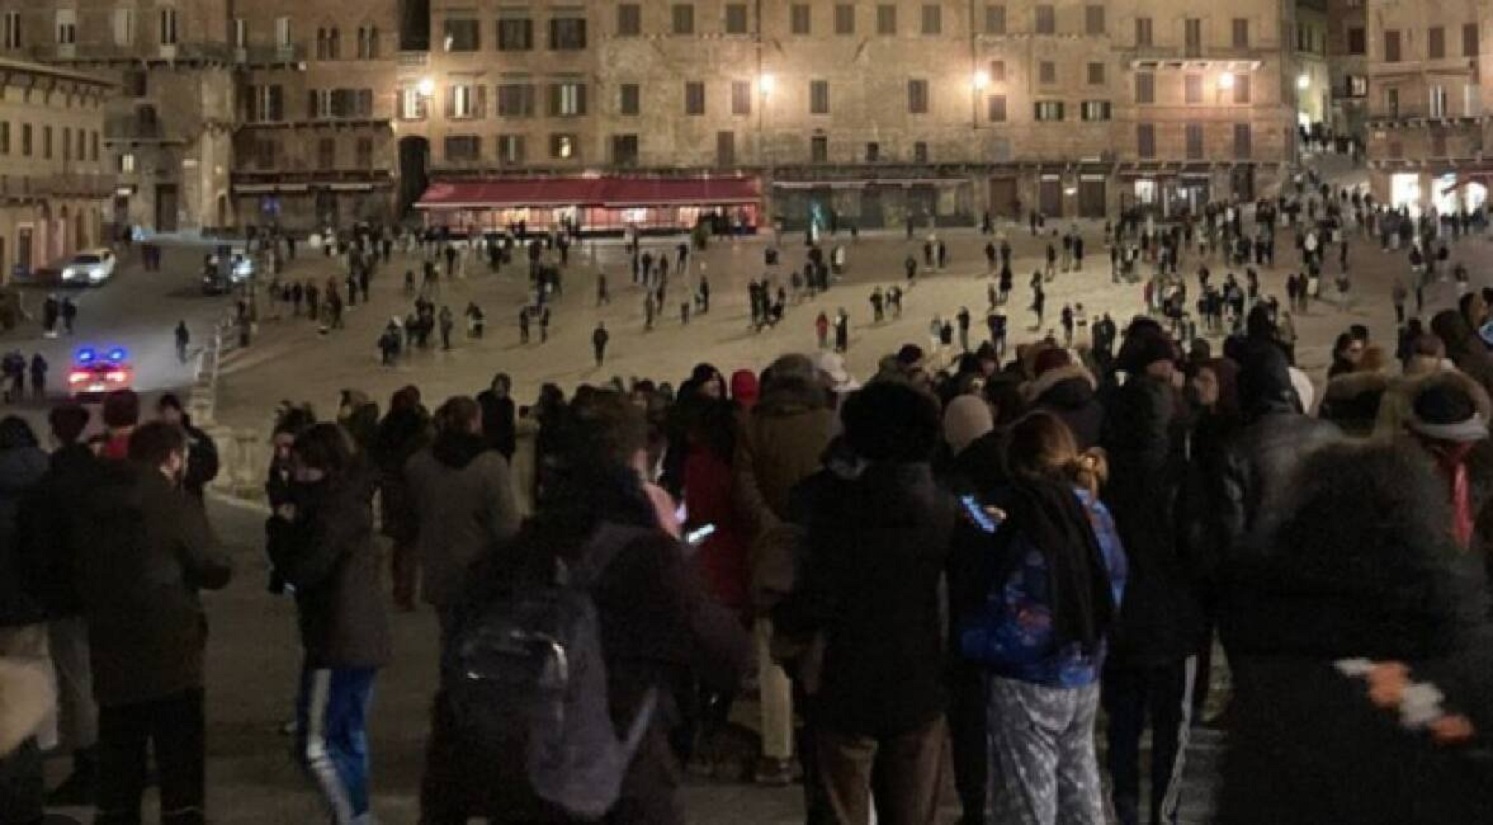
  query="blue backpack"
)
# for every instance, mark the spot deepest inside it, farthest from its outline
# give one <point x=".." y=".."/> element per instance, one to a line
<point x="523" y="728"/>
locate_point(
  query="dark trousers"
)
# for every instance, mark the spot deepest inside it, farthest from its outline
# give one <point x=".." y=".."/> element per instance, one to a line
<point x="967" y="741"/>
<point x="173" y="727"/>
<point x="901" y="774"/>
<point x="22" y="791"/>
<point x="1129" y="694"/>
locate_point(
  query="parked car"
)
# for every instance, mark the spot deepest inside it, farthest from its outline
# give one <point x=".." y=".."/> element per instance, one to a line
<point x="89" y="268"/>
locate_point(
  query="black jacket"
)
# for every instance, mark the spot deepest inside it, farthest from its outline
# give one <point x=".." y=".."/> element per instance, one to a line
<point x="1161" y="619"/>
<point x="144" y="551"/>
<point x="876" y="548"/>
<point x="47" y="528"/>
<point x="326" y="553"/>
<point x="1242" y="482"/>
<point x="202" y="459"/>
<point x="1069" y="393"/>
<point x="498" y="423"/>
<point x="21" y="468"/>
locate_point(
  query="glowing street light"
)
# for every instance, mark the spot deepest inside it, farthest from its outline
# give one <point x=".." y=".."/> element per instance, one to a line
<point x="981" y="80"/>
<point x="1226" y="81"/>
<point x="765" y="83"/>
<point x="426" y="87"/>
<point x="1303" y="82"/>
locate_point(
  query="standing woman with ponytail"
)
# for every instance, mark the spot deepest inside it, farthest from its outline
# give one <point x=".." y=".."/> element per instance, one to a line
<point x="1056" y="574"/>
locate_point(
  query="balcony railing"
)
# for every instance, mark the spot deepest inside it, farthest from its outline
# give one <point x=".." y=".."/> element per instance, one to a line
<point x="58" y="185"/>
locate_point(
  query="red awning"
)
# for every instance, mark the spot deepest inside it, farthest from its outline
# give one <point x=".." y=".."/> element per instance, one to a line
<point x="609" y="192"/>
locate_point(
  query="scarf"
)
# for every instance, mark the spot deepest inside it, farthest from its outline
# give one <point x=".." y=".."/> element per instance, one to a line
<point x="1053" y="519"/>
<point x="1451" y="461"/>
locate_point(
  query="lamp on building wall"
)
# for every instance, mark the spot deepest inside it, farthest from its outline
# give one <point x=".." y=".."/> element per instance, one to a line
<point x="425" y="87"/>
<point x="981" y="80"/>
<point x="1303" y="81"/>
<point x="766" y="83"/>
<point x="1226" y="81"/>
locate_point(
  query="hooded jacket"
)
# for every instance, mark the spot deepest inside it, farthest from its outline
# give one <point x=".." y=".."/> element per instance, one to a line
<point x="1070" y="394"/>
<point x="464" y="506"/>
<point x="1353" y="400"/>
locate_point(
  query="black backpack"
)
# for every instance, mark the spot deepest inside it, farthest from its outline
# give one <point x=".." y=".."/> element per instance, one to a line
<point x="523" y="730"/>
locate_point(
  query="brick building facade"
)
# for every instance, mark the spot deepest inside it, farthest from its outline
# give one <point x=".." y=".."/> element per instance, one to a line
<point x="863" y="111"/>
<point x="1427" y="99"/>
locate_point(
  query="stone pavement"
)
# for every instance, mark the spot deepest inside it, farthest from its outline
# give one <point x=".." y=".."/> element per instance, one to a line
<point x="252" y="666"/>
<point x="291" y="361"/>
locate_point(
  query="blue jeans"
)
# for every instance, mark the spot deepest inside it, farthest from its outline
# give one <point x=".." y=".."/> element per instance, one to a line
<point x="332" y="739"/>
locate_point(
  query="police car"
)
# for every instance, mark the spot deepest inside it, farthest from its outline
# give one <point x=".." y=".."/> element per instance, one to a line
<point x="97" y="373"/>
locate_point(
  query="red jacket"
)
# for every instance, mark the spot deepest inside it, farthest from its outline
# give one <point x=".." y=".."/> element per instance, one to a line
<point x="724" y="559"/>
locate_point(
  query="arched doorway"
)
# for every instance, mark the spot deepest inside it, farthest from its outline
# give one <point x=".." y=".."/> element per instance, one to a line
<point x="414" y="164"/>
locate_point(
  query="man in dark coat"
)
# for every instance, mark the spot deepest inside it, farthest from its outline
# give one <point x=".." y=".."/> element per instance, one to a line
<point x="877" y="536"/>
<point x="145" y="549"/>
<point x="1068" y="391"/>
<point x="1150" y="671"/>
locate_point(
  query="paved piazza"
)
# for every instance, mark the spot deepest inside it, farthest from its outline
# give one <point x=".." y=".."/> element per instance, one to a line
<point x="252" y="652"/>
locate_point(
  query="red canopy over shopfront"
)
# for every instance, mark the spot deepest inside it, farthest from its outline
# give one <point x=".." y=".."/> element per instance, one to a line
<point x="606" y="204"/>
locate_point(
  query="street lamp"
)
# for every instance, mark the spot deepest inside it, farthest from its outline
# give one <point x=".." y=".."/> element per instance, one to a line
<point x="981" y="80"/>
<point x="1226" y="81"/>
<point x="765" y="84"/>
<point x="425" y="87"/>
<point x="1303" y="81"/>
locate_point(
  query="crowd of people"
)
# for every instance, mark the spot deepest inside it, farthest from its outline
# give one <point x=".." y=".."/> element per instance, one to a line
<point x="988" y="554"/>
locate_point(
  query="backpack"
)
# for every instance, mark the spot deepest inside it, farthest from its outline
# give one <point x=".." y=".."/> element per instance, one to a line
<point x="523" y="727"/>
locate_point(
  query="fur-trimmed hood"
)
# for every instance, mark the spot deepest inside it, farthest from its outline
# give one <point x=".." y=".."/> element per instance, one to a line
<point x="1084" y="384"/>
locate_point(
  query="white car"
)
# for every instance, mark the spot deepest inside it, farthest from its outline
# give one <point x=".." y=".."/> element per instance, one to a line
<point x="90" y="268"/>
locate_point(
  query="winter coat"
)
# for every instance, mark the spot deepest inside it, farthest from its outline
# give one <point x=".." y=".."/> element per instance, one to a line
<point x="401" y="434"/>
<point x="1464" y="347"/>
<point x="1362" y="569"/>
<point x="780" y="443"/>
<point x="47" y="528"/>
<point x="20" y="470"/>
<point x="144" y="549"/>
<point x="1069" y="393"/>
<point x="875" y="550"/>
<point x="202" y="459"/>
<point x="326" y="553"/>
<point x="464" y="506"/>
<point x="1161" y="619"/>
<point x="1352" y="401"/>
<point x="1235" y="490"/>
<point x="499" y="425"/>
<point x="1013" y="632"/>
<point x="659" y="630"/>
<point x="724" y="559"/>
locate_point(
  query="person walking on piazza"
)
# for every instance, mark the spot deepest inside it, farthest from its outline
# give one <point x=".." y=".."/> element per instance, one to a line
<point x="599" y="339"/>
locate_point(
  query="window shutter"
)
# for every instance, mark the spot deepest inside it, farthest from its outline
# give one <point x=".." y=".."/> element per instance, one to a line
<point x="480" y="109"/>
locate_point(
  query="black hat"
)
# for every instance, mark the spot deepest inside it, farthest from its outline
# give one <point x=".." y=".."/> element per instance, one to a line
<point x="892" y="421"/>
<point x="1445" y="412"/>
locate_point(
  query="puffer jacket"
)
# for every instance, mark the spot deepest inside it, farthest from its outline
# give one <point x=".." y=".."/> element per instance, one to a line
<point x="20" y="470"/>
